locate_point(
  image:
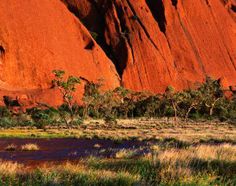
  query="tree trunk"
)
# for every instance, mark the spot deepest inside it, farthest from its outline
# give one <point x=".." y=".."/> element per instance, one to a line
<point x="175" y="110"/>
<point x="213" y="106"/>
<point x="187" y="114"/>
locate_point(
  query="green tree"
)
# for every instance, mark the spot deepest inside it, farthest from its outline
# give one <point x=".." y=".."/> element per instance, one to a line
<point x="92" y="98"/>
<point x="170" y="101"/>
<point x="124" y="102"/>
<point x="211" y="93"/>
<point x="67" y="87"/>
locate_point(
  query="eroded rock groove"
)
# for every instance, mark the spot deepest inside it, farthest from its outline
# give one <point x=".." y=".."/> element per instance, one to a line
<point x="158" y="12"/>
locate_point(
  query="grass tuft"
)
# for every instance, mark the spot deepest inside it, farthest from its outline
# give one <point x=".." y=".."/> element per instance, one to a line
<point x="125" y="154"/>
<point x="30" y="147"/>
<point x="11" y="147"/>
<point x="9" y="168"/>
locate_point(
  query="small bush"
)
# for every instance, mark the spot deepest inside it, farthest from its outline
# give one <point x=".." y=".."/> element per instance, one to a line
<point x="11" y="147"/>
<point x="125" y="154"/>
<point x="4" y="112"/>
<point x="110" y="119"/>
<point x="40" y="117"/>
<point x="7" y="122"/>
<point x="77" y="122"/>
<point x="30" y="147"/>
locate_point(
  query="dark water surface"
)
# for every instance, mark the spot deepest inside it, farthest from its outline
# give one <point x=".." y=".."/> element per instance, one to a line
<point x="65" y="149"/>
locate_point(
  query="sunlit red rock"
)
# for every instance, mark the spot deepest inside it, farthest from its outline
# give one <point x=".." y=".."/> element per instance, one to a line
<point x="37" y="37"/>
<point x="166" y="42"/>
<point x="152" y="43"/>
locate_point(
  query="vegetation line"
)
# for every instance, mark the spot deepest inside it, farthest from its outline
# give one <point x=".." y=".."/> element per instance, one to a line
<point x="208" y="101"/>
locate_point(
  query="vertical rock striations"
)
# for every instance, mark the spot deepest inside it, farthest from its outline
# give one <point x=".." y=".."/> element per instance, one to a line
<point x="148" y="44"/>
<point x="168" y="42"/>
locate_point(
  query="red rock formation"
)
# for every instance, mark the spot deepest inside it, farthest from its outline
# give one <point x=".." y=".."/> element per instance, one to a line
<point x="166" y="42"/>
<point x="153" y="43"/>
<point x="37" y="37"/>
<point x="230" y="5"/>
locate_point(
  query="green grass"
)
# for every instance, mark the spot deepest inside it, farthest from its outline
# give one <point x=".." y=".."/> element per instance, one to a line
<point x="65" y="178"/>
<point x="33" y="133"/>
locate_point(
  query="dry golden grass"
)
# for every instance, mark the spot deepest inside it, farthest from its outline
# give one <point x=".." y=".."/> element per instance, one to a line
<point x="11" y="147"/>
<point x="30" y="147"/>
<point x="83" y="169"/>
<point x="9" y="168"/>
<point x="188" y="163"/>
<point x="97" y="146"/>
<point x="68" y="167"/>
<point x="182" y="163"/>
<point x="224" y="152"/>
<point x="155" y="148"/>
<point x="170" y="165"/>
<point x="140" y="129"/>
<point x="125" y="154"/>
<point x="144" y="129"/>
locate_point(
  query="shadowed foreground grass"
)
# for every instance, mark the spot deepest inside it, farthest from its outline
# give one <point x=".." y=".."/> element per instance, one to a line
<point x="194" y="165"/>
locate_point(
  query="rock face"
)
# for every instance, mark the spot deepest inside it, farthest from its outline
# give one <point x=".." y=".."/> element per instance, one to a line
<point x="148" y="44"/>
<point x="37" y="37"/>
<point x="166" y="42"/>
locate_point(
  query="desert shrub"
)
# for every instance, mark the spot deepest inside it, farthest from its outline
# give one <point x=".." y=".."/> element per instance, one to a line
<point x="11" y="147"/>
<point x="166" y="110"/>
<point x="40" y="117"/>
<point x="4" y="112"/>
<point x="148" y="107"/>
<point x="77" y="122"/>
<point x="6" y="118"/>
<point x="65" y="114"/>
<point x="110" y="119"/>
<point x="99" y="104"/>
<point x="30" y="147"/>
<point x="195" y="115"/>
<point x="211" y="94"/>
<point x="7" y="122"/>
<point x="125" y="108"/>
<point x="24" y="119"/>
<point x="222" y="110"/>
<point x="132" y="103"/>
<point x="91" y="99"/>
<point x="232" y="114"/>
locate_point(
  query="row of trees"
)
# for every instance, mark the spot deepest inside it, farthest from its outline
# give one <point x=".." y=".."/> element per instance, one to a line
<point x="208" y="102"/>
